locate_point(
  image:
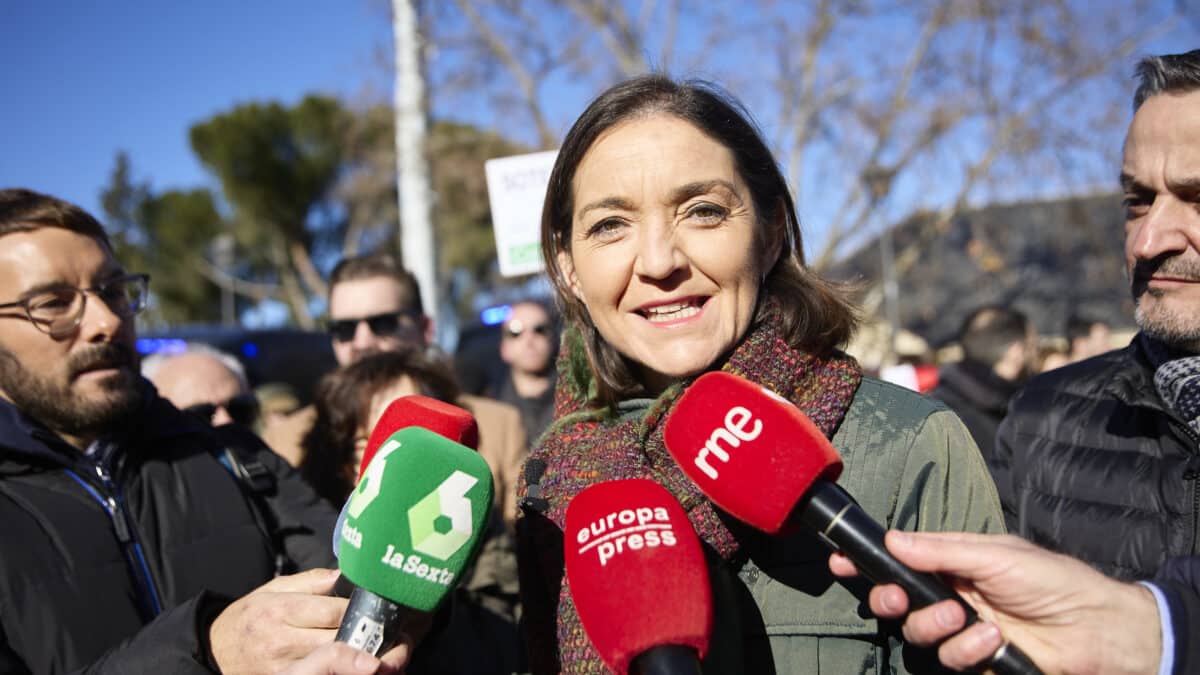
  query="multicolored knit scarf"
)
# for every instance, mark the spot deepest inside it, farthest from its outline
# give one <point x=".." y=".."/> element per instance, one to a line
<point x="1177" y="379"/>
<point x="590" y="446"/>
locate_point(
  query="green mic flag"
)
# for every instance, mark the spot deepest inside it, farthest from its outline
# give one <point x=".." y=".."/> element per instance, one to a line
<point x="416" y="519"/>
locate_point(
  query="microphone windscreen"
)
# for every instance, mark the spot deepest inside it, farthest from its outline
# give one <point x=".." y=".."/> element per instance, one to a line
<point x="437" y="416"/>
<point x="416" y="519"/>
<point x="636" y="571"/>
<point x="751" y="451"/>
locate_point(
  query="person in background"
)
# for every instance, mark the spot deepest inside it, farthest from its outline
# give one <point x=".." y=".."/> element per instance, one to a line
<point x="1100" y="459"/>
<point x="1087" y="337"/>
<point x="673" y="246"/>
<point x="528" y="343"/>
<point x="375" y="306"/>
<point x="349" y="401"/>
<point x="1066" y="616"/>
<point x="276" y="402"/>
<point x="999" y="355"/>
<point x="1053" y="356"/>
<point x="477" y="632"/>
<point x="205" y="382"/>
<point x="128" y="547"/>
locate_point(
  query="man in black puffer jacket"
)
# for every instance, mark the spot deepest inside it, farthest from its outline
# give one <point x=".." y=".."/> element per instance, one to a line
<point x="125" y="544"/>
<point x="1101" y="459"/>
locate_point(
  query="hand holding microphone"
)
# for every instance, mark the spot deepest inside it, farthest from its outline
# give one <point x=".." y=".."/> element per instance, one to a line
<point x="1072" y="618"/>
<point x="728" y="433"/>
<point x="412" y="525"/>
<point x="638" y="578"/>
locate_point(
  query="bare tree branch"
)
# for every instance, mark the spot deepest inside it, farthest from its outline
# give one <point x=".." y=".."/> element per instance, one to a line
<point x="525" y="81"/>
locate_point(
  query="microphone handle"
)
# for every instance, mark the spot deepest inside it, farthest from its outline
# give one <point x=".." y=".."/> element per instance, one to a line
<point x="371" y="623"/>
<point x="840" y="521"/>
<point x="666" y="660"/>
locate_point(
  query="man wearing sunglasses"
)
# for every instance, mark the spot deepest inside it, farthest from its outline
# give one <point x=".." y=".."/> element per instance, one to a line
<point x="375" y="306"/>
<point x="124" y="540"/>
<point x="205" y="382"/>
<point x="527" y="345"/>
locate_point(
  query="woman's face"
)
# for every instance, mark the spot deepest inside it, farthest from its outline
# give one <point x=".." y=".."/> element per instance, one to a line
<point x="665" y="252"/>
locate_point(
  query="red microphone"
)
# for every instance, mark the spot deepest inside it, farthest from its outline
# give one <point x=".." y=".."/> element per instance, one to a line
<point x="411" y="411"/>
<point x="763" y="461"/>
<point x="638" y="577"/>
<point x="415" y="410"/>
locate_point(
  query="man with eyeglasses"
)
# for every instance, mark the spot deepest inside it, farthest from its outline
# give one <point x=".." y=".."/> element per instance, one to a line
<point x="527" y="344"/>
<point x="125" y="541"/>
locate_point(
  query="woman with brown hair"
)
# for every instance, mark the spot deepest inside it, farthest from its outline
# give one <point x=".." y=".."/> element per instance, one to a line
<point x="672" y="242"/>
<point x="349" y="401"/>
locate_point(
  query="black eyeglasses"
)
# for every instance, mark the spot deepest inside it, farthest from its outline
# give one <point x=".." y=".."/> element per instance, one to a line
<point x="58" y="311"/>
<point x="382" y="325"/>
<point x="242" y="409"/>
<point x="516" y="329"/>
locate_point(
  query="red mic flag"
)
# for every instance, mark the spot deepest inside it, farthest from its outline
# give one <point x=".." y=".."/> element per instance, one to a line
<point x="437" y="416"/>
<point x="750" y="450"/>
<point x="636" y="571"/>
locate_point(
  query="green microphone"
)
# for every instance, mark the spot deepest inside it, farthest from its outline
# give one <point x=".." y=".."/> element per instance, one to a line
<point x="413" y="524"/>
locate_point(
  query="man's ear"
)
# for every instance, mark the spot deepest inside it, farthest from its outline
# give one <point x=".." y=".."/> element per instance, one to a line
<point x="567" y="266"/>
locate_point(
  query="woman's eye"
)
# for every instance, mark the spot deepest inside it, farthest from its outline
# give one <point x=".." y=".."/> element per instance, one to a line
<point x="708" y="213"/>
<point x="605" y="227"/>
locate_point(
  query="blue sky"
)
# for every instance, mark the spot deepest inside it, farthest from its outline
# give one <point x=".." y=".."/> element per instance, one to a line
<point x="82" y="79"/>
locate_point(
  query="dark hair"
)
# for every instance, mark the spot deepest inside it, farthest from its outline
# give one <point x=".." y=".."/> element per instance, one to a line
<point x="24" y="210"/>
<point x="816" y="314"/>
<point x="343" y="401"/>
<point x="1178" y="73"/>
<point x="379" y="265"/>
<point x="988" y="332"/>
<point x="1079" y="326"/>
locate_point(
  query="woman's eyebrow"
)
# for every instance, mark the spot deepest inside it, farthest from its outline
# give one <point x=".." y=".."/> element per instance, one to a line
<point x="696" y="188"/>
<point x="614" y="202"/>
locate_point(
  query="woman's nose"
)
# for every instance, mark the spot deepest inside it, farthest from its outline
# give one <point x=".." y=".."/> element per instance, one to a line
<point x="659" y="254"/>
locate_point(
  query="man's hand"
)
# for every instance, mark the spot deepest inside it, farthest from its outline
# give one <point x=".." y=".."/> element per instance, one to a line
<point x="339" y="658"/>
<point x="276" y="624"/>
<point x="1066" y="616"/>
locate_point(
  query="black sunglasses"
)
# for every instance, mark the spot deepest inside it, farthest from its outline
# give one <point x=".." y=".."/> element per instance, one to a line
<point x="516" y="329"/>
<point x="242" y="409"/>
<point x="382" y="325"/>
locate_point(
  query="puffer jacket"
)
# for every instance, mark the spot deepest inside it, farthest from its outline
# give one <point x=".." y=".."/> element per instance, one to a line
<point x="1092" y="463"/>
<point x="908" y="461"/>
<point x="121" y="566"/>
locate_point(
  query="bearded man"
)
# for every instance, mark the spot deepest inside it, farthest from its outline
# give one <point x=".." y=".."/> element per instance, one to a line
<point x="1101" y="459"/>
<point x="125" y="540"/>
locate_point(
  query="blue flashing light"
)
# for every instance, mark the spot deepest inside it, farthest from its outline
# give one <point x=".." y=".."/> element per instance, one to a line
<point x="249" y="350"/>
<point x="161" y="346"/>
<point x="495" y="315"/>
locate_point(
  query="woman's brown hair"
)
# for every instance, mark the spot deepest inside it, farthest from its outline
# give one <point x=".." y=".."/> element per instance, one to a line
<point x="817" y="315"/>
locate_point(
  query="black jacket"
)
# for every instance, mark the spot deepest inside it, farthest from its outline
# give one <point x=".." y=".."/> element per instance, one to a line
<point x="979" y="396"/>
<point x="1091" y="462"/>
<point x="136" y="591"/>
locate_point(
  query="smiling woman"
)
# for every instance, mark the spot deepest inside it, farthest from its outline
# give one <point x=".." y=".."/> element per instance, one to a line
<point x="672" y="242"/>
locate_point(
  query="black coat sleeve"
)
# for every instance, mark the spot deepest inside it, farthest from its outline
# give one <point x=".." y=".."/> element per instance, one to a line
<point x="176" y="641"/>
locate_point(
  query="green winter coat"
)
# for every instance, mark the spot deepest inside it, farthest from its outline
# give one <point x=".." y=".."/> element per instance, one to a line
<point x="912" y="465"/>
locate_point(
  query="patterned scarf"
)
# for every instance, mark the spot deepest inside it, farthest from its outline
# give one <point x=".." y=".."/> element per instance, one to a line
<point x="1177" y="379"/>
<point x="588" y="446"/>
